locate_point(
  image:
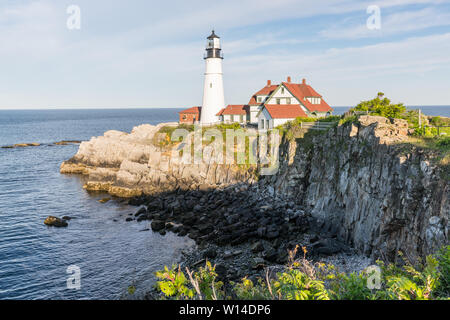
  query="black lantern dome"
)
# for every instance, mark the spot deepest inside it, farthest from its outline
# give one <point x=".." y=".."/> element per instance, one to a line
<point x="213" y="49"/>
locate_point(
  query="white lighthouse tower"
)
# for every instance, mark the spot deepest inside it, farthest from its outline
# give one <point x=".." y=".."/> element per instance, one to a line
<point x="213" y="96"/>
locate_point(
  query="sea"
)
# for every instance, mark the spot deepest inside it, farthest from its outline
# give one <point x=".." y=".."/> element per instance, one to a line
<point x="109" y="255"/>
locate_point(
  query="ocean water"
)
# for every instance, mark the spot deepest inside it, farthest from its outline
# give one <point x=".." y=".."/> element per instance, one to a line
<point x="112" y="254"/>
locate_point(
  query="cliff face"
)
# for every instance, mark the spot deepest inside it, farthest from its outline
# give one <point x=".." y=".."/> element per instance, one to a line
<point x="361" y="183"/>
<point x="369" y="187"/>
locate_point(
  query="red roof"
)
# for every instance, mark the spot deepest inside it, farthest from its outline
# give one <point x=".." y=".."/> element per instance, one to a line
<point x="267" y="90"/>
<point x="301" y="91"/>
<point x="239" y="109"/>
<point x="195" y="110"/>
<point x="285" y="111"/>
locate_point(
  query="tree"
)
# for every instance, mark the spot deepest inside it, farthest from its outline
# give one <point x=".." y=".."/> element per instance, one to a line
<point x="381" y="106"/>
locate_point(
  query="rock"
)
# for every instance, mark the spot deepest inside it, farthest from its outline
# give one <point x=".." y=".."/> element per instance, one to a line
<point x="210" y="253"/>
<point x="271" y="255"/>
<point x="140" y="212"/>
<point x="221" y="271"/>
<point x="158" y="225"/>
<point x="327" y="247"/>
<point x="258" y="263"/>
<point x="272" y="234"/>
<point x="104" y="200"/>
<point x="128" y="219"/>
<point x="55" y="222"/>
<point x="257" y="247"/>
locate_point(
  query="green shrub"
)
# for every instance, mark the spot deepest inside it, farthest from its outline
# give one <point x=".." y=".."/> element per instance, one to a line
<point x="443" y="258"/>
<point x="443" y="143"/>
<point x="381" y="106"/>
<point x="303" y="280"/>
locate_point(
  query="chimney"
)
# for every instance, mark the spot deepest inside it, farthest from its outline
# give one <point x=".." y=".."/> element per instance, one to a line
<point x="269" y="82"/>
<point x="304" y="81"/>
<point x="289" y="79"/>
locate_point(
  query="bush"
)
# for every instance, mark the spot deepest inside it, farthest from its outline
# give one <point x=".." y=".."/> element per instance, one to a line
<point x="302" y="280"/>
<point x="381" y="106"/>
<point x="443" y="258"/>
<point x="443" y="143"/>
<point x="439" y="121"/>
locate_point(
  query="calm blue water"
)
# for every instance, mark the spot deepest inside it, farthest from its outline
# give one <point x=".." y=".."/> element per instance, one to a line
<point x="112" y="255"/>
<point x="33" y="257"/>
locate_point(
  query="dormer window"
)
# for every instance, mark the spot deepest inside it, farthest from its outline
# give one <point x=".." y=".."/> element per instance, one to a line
<point x="314" y="100"/>
<point x="259" y="99"/>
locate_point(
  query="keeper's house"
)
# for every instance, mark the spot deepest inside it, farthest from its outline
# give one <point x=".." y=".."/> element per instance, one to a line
<point x="191" y="115"/>
<point x="273" y="105"/>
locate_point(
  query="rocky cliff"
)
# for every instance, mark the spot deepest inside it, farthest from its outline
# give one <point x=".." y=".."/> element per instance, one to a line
<point x="128" y="165"/>
<point x="369" y="186"/>
<point x="363" y="183"/>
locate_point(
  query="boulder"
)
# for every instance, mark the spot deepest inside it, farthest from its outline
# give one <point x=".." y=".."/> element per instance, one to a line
<point x="55" y="222"/>
<point x="158" y="225"/>
<point x="257" y="247"/>
<point x="210" y="253"/>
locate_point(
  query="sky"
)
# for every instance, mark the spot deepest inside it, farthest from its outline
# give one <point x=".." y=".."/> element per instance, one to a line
<point x="146" y="53"/>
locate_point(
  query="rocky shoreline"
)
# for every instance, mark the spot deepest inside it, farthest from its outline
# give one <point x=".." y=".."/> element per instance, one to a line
<point x="37" y="144"/>
<point x="358" y="190"/>
<point x="242" y="230"/>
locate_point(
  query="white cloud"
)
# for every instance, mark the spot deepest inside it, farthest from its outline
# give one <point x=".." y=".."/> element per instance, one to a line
<point x="150" y="54"/>
<point x="344" y="75"/>
<point x="392" y="24"/>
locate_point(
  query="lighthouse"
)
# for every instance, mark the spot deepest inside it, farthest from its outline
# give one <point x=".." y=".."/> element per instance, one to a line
<point x="213" y="95"/>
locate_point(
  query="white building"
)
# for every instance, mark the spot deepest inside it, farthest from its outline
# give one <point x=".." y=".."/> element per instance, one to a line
<point x="213" y="93"/>
<point x="277" y="104"/>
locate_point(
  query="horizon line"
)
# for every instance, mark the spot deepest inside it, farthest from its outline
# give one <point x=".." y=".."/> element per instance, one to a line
<point x="142" y="108"/>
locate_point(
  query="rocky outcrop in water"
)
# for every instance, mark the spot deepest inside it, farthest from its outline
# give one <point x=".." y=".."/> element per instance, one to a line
<point x="128" y="165"/>
<point x="56" y="222"/>
<point x="363" y="183"/>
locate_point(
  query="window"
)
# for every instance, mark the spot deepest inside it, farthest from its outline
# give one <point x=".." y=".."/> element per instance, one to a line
<point x="282" y="90"/>
<point x="267" y="124"/>
<point x="184" y="117"/>
<point x="288" y="101"/>
<point x="241" y="118"/>
<point x="210" y="85"/>
<point x="278" y="101"/>
<point x="259" y="99"/>
<point x="232" y="118"/>
<point x="262" y="123"/>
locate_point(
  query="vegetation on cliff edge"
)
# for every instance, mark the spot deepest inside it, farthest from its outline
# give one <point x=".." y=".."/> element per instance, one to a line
<point x="303" y="280"/>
